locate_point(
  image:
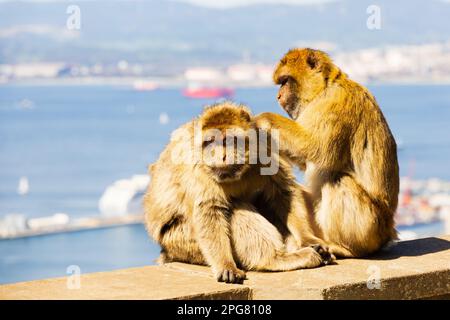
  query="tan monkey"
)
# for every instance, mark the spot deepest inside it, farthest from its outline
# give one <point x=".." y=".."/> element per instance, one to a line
<point x="226" y="214"/>
<point x="342" y="137"/>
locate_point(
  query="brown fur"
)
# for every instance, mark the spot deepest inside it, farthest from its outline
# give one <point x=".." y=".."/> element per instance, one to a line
<point x="244" y="221"/>
<point x="342" y="137"/>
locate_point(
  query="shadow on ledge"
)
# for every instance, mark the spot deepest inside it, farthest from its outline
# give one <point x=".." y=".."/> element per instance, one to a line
<point x="412" y="248"/>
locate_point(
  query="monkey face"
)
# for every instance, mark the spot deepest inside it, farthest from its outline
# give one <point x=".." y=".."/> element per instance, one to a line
<point x="225" y="131"/>
<point x="225" y="155"/>
<point x="287" y="96"/>
<point x="302" y="75"/>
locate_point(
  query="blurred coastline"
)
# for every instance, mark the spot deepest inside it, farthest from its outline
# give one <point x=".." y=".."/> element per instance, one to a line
<point x="405" y="64"/>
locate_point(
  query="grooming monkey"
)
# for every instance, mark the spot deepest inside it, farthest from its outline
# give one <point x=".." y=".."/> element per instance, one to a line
<point x="217" y="211"/>
<point x="341" y="137"/>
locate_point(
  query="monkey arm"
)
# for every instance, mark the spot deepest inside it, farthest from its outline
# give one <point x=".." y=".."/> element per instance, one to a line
<point x="324" y="146"/>
<point x="294" y="141"/>
<point x="213" y="236"/>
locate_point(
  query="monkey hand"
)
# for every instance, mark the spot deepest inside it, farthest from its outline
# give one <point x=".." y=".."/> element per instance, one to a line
<point x="269" y="120"/>
<point x="230" y="275"/>
<point x="264" y="121"/>
<point x="324" y="251"/>
<point x="286" y="128"/>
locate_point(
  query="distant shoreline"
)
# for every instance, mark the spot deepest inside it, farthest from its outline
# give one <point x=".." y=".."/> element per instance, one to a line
<point x="171" y="83"/>
<point x="80" y="224"/>
<point x="420" y="230"/>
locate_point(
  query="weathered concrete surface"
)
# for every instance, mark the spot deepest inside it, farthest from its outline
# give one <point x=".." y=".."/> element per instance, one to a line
<point x="410" y="270"/>
<point x="151" y="282"/>
<point x="418" y="269"/>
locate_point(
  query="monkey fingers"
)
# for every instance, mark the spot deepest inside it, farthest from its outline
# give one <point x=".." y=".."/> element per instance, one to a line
<point x="263" y="122"/>
<point x="269" y="120"/>
<point x="231" y="276"/>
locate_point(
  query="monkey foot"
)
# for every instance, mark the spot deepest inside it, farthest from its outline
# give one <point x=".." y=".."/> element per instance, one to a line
<point x="328" y="258"/>
<point x="231" y="276"/>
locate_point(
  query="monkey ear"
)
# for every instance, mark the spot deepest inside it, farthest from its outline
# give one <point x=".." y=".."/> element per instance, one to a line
<point x="245" y="113"/>
<point x="312" y="60"/>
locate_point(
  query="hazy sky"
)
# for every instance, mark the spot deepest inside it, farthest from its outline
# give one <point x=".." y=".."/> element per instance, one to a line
<point x="234" y="3"/>
<point x="208" y="3"/>
<point x="217" y="3"/>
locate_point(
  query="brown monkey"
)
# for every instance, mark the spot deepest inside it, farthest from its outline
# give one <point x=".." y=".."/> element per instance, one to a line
<point x="342" y="137"/>
<point x="209" y="210"/>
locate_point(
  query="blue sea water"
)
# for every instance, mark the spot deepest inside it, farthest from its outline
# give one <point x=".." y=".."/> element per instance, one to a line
<point x="92" y="251"/>
<point x="77" y="140"/>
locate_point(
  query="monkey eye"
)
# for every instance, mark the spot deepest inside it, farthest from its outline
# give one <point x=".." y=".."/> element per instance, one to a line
<point x="283" y="80"/>
<point x="208" y="141"/>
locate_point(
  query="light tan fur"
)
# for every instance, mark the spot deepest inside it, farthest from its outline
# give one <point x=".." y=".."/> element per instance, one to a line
<point x="341" y="137"/>
<point x="226" y="216"/>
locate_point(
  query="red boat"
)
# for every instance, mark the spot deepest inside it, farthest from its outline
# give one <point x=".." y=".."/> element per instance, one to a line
<point x="208" y="93"/>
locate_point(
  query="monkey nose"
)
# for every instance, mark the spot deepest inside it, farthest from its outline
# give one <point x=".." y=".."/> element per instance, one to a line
<point x="279" y="96"/>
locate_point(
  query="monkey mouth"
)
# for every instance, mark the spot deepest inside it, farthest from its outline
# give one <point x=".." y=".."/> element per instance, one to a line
<point x="228" y="173"/>
<point x="292" y="109"/>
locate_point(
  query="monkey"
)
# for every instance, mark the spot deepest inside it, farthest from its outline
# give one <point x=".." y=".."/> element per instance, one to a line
<point x="223" y="213"/>
<point x="340" y="137"/>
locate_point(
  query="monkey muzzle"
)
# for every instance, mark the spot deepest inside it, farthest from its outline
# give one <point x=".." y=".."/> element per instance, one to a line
<point x="228" y="172"/>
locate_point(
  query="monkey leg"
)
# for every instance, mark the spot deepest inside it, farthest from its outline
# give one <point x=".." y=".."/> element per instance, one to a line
<point x="179" y="245"/>
<point x="258" y="245"/>
<point x="292" y="206"/>
<point x="352" y="223"/>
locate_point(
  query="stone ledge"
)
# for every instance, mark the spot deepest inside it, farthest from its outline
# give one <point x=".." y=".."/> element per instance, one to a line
<point x="417" y="269"/>
<point x="152" y="282"/>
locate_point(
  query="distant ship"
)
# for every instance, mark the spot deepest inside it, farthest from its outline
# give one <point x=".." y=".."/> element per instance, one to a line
<point x="145" y="85"/>
<point x="120" y="204"/>
<point x="24" y="186"/>
<point x="207" y="92"/>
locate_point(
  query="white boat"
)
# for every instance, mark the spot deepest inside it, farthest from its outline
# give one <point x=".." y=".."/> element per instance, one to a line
<point x="24" y="186"/>
<point x="124" y="196"/>
<point x="142" y="85"/>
